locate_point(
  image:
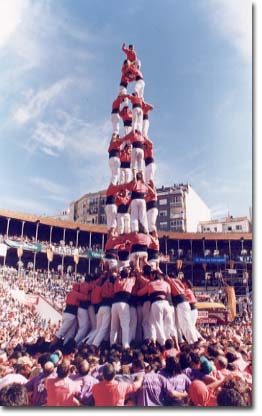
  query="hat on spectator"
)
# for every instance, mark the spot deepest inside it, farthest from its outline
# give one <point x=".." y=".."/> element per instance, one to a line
<point x="206" y="365"/>
<point x="54" y="358"/>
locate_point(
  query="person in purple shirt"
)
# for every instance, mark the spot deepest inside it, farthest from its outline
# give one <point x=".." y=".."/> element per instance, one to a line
<point x="179" y="381"/>
<point x="154" y="389"/>
<point x="37" y="384"/>
<point x="87" y="383"/>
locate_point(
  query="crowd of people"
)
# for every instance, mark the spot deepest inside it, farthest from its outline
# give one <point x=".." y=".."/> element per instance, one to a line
<point x="61" y="247"/>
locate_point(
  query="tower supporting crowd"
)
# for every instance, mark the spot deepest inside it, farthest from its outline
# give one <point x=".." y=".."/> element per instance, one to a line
<point x="130" y="300"/>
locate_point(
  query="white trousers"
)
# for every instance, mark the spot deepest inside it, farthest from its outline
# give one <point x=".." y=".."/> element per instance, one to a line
<point x="185" y="323"/>
<point x="139" y="328"/>
<point x="147" y="332"/>
<point x="83" y="324"/>
<point x="145" y="128"/>
<point x="68" y="328"/>
<point x="151" y="218"/>
<point x="92" y="320"/>
<point x="154" y="263"/>
<point x="112" y="263"/>
<point x="123" y="223"/>
<point x="139" y="88"/>
<point x="138" y="213"/>
<point x="120" y="319"/>
<point x="194" y="315"/>
<point x="114" y="164"/>
<point x="160" y="319"/>
<point x="170" y="328"/>
<point x="125" y="175"/>
<point x="115" y="119"/>
<point x="137" y="159"/>
<point x="111" y="212"/>
<point x="137" y="119"/>
<point x="150" y="172"/>
<point x="103" y="319"/>
<point x="133" y="323"/>
<point x="122" y="264"/>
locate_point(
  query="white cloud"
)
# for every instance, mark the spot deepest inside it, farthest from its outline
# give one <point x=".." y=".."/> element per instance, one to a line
<point x="11" y="14"/>
<point x="49" y="186"/>
<point x="232" y="19"/>
<point x="40" y="101"/>
<point x="49" y="138"/>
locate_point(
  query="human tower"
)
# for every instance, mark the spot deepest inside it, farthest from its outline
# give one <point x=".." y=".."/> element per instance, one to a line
<point x="138" y="303"/>
<point x="131" y="197"/>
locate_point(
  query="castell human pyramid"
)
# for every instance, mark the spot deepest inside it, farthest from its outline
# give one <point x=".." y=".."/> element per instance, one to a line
<point x="131" y="198"/>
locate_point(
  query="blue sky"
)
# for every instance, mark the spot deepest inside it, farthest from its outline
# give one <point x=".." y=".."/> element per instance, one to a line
<point x="60" y="70"/>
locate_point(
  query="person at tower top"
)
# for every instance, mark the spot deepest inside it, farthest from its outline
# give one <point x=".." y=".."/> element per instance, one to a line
<point x="130" y="52"/>
<point x="140" y="83"/>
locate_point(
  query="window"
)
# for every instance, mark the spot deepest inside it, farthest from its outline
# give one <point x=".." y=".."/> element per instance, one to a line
<point x="215" y="229"/>
<point x="176" y="224"/>
<point x="163" y="225"/>
<point x="176" y="201"/>
<point x="162" y="213"/>
<point x="238" y="227"/>
<point x="162" y="201"/>
<point x="229" y="228"/>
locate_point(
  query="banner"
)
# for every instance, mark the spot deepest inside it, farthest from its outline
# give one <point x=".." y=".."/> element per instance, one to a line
<point x="26" y="246"/>
<point x="92" y="254"/>
<point x="76" y="256"/>
<point x="31" y="299"/>
<point x="208" y="259"/>
<point x="231" y="296"/>
<point x="164" y="259"/>
<point x="3" y="249"/>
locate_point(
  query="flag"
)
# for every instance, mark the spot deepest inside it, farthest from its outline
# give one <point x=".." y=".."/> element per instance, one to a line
<point x="231" y="297"/>
<point x="49" y="254"/>
<point x="179" y="264"/>
<point x="19" y="251"/>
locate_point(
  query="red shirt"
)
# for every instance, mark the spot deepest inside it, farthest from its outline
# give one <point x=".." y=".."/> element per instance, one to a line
<point x="137" y="186"/>
<point x="116" y="103"/>
<point x="135" y="100"/>
<point x="130" y="53"/>
<point x="112" y="190"/>
<point x="126" y="114"/>
<point x="125" y="155"/>
<point x="151" y="195"/>
<point x="139" y="238"/>
<point x="124" y="285"/>
<point x="177" y="287"/>
<point x="134" y="137"/>
<point x="148" y="149"/>
<point x="114" y="145"/>
<point x="155" y="286"/>
<point x="123" y="200"/>
<point x="190" y="297"/>
<point x="112" y="243"/>
<point x="61" y="391"/>
<point x="112" y="393"/>
<point x="107" y="289"/>
<point x="136" y="72"/>
<point x="73" y="298"/>
<point x="146" y="108"/>
<point x="154" y="243"/>
<point x="96" y="295"/>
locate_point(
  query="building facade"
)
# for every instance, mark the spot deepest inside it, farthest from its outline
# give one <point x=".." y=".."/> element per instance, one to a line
<point x="179" y="209"/>
<point x="225" y="225"/>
